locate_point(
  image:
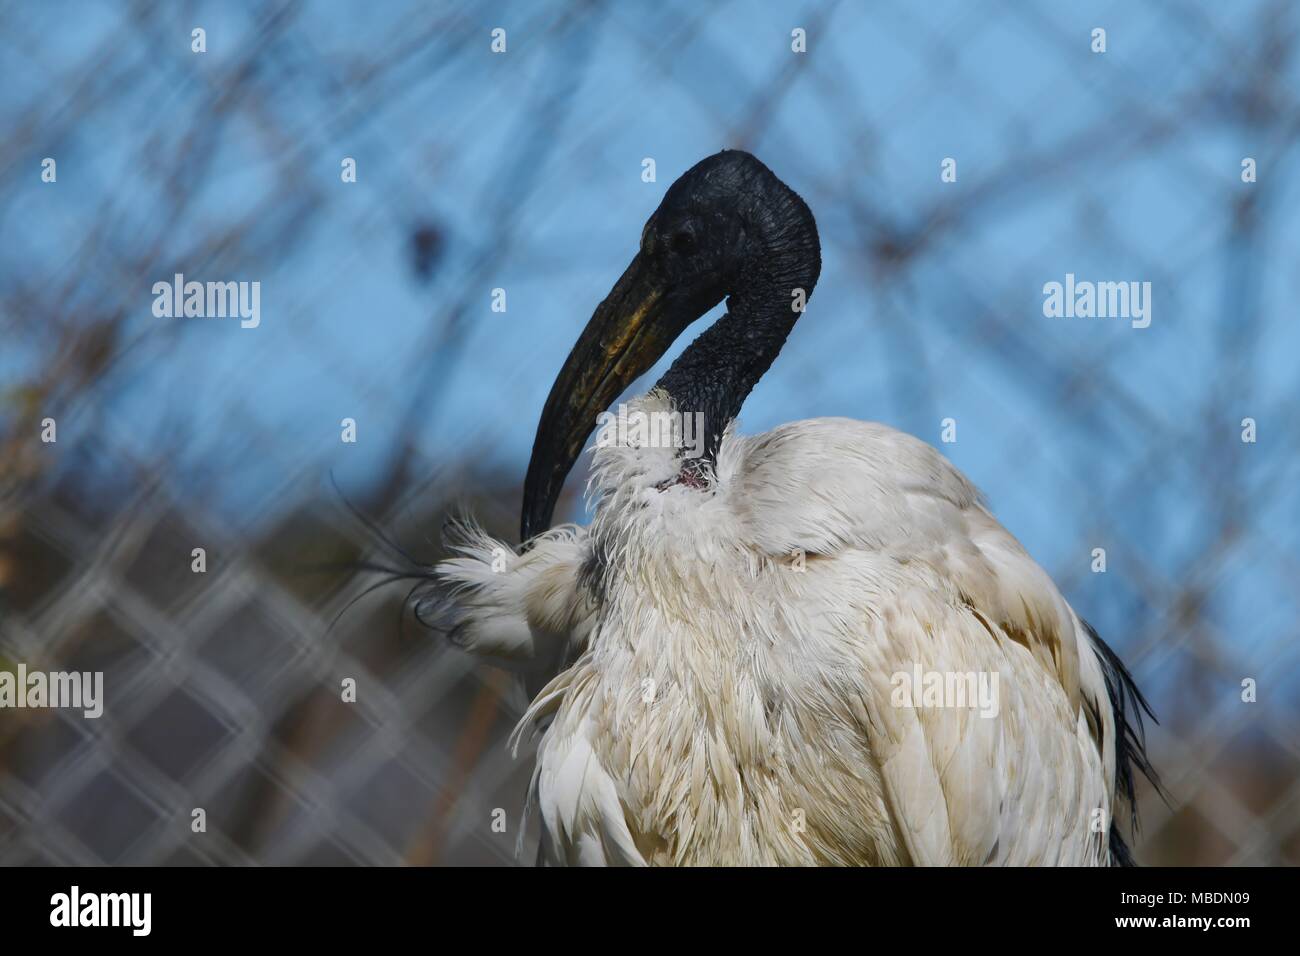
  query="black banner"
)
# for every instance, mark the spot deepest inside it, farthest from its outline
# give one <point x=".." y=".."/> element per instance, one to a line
<point x="223" y="906"/>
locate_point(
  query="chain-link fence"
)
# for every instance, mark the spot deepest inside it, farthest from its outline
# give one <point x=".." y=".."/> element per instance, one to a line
<point x="958" y="157"/>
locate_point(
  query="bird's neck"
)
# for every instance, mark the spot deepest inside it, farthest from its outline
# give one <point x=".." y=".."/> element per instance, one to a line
<point x="716" y="373"/>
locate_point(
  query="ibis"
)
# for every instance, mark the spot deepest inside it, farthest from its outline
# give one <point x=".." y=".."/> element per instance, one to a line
<point x="813" y="646"/>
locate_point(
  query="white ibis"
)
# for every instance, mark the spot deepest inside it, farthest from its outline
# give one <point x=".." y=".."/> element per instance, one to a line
<point x="810" y="646"/>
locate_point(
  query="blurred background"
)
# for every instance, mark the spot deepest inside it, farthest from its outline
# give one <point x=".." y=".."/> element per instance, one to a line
<point x="522" y="171"/>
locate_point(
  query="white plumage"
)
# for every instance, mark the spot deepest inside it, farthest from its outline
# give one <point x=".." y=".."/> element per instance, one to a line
<point x="707" y="690"/>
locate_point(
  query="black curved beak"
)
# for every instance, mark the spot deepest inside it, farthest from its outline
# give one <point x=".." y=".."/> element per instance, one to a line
<point x="627" y="334"/>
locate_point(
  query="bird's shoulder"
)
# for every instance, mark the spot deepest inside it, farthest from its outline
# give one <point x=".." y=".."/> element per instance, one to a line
<point x="822" y="484"/>
<point x="891" y="505"/>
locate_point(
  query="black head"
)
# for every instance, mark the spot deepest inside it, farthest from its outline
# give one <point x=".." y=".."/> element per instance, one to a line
<point x="724" y="215"/>
<point x="726" y="228"/>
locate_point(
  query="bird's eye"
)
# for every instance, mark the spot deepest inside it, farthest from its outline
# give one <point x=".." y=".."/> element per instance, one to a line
<point x="683" y="242"/>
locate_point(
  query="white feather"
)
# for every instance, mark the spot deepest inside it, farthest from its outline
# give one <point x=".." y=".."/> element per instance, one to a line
<point x="710" y="703"/>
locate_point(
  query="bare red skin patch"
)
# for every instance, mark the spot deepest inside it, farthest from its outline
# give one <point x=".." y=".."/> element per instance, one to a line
<point x="688" y="476"/>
